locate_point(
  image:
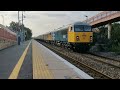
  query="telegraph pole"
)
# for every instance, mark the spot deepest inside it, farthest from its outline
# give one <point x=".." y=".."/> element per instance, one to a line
<point x="23" y="27"/>
<point x="18" y="17"/>
<point x="18" y="22"/>
<point x="18" y="32"/>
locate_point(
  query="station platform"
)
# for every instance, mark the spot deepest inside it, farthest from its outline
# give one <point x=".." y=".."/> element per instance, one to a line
<point x="32" y="60"/>
<point x="48" y="65"/>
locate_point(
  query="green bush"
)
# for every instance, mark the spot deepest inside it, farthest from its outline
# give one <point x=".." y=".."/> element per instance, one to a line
<point x="115" y="48"/>
<point x="112" y="45"/>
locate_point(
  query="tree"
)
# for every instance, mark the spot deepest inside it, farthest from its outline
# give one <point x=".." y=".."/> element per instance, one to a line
<point x="112" y="44"/>
<point x="115" y="36"/>
<point x="101" y="36"/>
<point x="28" y="33"/>
<point x="16" y="27"/>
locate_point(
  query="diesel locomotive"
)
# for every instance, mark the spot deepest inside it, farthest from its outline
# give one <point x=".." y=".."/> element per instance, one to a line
<point x="77" y="36"/>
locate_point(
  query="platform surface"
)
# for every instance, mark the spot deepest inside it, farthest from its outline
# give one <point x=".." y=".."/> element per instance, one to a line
<point x="9" y="58"/>
<point x="48" y="65"/>
<point x="32" y="60"/>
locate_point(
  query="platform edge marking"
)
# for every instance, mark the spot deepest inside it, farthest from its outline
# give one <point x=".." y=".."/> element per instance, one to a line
<point x="39" y="67"/>
<point x="17" y="68"/>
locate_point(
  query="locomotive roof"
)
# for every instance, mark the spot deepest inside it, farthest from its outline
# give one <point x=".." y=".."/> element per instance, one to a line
<point x="81" y="23"/>
<point x="7" y="29"/>
<point x="76" y="23"/>
<point x="65" y="27"/>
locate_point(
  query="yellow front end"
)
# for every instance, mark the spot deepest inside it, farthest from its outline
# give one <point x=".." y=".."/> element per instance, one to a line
<point x="80" y="37"/>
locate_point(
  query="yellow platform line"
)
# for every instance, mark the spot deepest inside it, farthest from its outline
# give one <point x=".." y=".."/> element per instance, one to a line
<point x="40" y="70"/>
<point x="16" y="69"/>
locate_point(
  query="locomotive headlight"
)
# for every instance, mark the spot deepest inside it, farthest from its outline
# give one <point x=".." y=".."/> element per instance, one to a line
<point x="91" y="38"/>
<point x="77" y="38"/>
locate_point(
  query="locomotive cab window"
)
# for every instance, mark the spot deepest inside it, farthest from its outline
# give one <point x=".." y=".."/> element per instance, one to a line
<point x="87" y="28"/>
<point x="79" y="28"/>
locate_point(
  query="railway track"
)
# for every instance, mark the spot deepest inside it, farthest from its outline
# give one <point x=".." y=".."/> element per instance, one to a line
<point x="97" y="74"/>
<point x="108" y="66"/>
<point x="91" y="53"/>
<point x="111" y="62"/>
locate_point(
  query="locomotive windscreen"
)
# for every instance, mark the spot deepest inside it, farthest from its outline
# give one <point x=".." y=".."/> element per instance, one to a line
<point x="82" y="28"/>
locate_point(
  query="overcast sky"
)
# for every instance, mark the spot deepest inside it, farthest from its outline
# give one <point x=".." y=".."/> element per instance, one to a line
<point x="44" y="21"/>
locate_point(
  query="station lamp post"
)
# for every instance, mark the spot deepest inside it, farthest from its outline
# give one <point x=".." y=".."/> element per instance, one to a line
<point x="3" y="19"/>
<point x="86" y="18"/>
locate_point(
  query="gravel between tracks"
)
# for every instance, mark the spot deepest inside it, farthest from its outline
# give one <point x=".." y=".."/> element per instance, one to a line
<point x="102" y="67"/>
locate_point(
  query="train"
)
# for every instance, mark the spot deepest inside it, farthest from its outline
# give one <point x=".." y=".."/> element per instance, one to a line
<point x="7" y="37"/>
<point x="77" y="36"/>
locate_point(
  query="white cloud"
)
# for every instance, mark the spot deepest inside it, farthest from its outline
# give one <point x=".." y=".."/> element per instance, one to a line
<point x="44" y="21"/>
